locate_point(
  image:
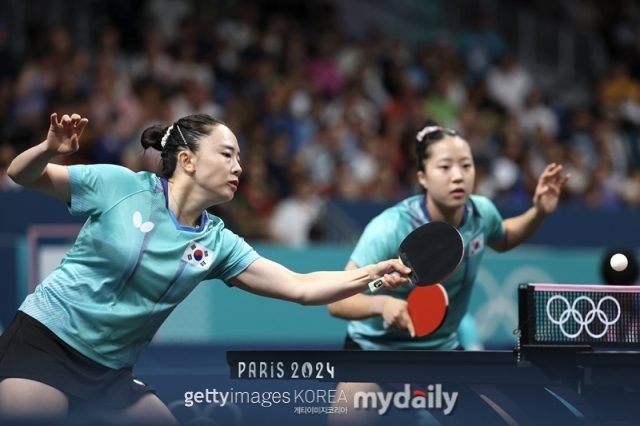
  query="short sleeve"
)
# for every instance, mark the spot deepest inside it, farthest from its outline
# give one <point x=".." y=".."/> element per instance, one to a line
<point x="97" y="188"/>
<point x="237" y="255"/>
<point x="493" y="221"/>
<point x="380" y="240"/>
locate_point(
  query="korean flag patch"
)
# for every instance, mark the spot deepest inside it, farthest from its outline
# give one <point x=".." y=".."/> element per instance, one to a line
<point x="197" y="254"/>
<point x="476" y="245"/>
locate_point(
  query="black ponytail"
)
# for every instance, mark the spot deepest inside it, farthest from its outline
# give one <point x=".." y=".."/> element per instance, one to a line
<point x="152" y="137"/>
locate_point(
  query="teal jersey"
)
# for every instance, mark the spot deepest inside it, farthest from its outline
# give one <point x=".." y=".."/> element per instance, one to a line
<point x="482" y="224"/>
<point x="131" y="265"/>
<point x="468" y="333"/>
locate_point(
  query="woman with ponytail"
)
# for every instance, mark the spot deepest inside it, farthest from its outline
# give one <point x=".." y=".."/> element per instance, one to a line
<point x="447" y="176"/>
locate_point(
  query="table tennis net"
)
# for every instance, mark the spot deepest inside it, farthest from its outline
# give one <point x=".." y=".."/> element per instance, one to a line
<point x="594" y="315"/>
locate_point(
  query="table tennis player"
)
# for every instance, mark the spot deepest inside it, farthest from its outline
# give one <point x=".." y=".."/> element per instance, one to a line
<point x="148" y="242"/>
<point x="447" y="175"/>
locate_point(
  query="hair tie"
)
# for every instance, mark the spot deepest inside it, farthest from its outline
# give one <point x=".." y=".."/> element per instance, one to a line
<point x="163" y="142"/>
<point x="424" y="132"/>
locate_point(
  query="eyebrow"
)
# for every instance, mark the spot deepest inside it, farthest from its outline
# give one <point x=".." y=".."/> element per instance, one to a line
<point x="225" y="146"/>
<point x="451" y="159"/>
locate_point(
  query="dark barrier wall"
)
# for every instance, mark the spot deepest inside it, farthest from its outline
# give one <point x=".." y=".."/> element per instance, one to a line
<point x="18" y="210"/>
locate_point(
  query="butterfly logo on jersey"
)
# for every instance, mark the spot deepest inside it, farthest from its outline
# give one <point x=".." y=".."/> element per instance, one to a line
<point x="137" y="222"/>
<point x="197" y="254"/>
<point x="476" y="245"/>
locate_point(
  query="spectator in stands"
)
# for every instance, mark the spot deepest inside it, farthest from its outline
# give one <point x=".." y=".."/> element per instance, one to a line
<point x="296" y="216"/>
<point x="618" y="87"/>
<point x="509" y="83"/>
<point x="480" y="47"/>
<point x="536" y="114"/>
<point x="116" y="114"/>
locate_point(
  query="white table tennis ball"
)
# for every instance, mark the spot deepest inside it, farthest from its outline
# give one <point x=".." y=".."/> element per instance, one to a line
<point x="619" y="262"/>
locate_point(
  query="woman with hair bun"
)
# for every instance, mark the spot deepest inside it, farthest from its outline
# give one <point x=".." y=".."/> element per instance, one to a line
<point x="147" y="243"/>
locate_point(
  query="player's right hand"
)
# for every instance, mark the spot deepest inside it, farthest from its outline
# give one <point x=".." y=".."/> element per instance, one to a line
<point x="396" y="314"/>
<point x="64" y="135"/>
<point x="385" y="271"/>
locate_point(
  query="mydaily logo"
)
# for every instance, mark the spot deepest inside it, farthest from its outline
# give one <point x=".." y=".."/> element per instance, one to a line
<point x="432" y="399"/>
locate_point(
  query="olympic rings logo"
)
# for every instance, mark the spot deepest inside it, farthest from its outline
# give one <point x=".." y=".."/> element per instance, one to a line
<point x="583" y="322"/>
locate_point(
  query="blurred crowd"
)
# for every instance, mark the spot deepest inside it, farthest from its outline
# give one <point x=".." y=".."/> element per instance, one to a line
<point x="318" y="115"/>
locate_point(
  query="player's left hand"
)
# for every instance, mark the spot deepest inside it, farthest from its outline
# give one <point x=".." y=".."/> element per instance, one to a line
<point x="64" y="135"/>
<point x="548" y="189"/>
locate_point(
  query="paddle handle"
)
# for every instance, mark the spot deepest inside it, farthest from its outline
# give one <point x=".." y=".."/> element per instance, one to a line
<point x="377" y="285"/>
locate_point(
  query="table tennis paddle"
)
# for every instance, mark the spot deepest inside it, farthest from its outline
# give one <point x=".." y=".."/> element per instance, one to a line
<point x="433" y="251"/>
<point x="428" y="308"/>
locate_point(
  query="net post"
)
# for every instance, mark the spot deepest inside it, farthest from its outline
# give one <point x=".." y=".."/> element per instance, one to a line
<point x="522" y="332"/>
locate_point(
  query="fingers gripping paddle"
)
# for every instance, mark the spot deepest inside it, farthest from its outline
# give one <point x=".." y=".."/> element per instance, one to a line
<point x="428" y="308"/>
<point x="433" y="251"/>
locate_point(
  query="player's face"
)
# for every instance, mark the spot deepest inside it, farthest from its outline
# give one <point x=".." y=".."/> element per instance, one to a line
<point x="449" y="172"/>
<point x="217" y="165"/>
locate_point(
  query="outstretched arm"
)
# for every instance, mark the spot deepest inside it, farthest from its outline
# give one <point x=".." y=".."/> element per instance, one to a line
<point x="32" y="168"/>
<point x="545" y="200"/>
<point x="271" y="279"/>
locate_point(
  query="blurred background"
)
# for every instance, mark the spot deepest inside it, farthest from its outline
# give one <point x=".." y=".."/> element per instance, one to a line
<point x="324" y="97"/>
